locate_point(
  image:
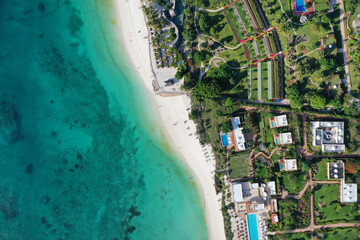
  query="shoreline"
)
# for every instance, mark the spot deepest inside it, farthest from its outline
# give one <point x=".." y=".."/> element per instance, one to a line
<point x="173" y="114"/>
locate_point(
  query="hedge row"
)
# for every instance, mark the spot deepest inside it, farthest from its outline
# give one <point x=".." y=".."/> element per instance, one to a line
<point x="273" y="44"/>
<point x="255" y="14"/>
<point x="276" y="80"/>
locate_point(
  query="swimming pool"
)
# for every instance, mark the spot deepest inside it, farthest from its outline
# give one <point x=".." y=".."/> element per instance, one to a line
<point x="224" y="140"/>
<point x="277" y="140"/>
<point x="281" y="166"/>
<point x="300" y="5"/>
<point x="253" y="227"/>
<point x="272" y="124"/>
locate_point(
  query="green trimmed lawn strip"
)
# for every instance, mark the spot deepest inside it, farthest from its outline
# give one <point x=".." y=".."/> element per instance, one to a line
<point x="259" y="71"/>
<point x="269" y="64"/>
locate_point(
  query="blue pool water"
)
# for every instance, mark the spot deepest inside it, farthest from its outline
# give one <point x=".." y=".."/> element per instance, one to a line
<point x="253" y="228"/>
<point x="300" y="5"/>
<point x="224" y="140"/>
<point x="281" y="166"/>
<point x="272" y="124"/>
<point x="277" y="141"/>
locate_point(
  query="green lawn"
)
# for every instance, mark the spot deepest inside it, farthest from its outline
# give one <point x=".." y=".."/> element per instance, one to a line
<point x="239" y="165"/>
<point x="355" y="13"/>
<point x="224" y="32"/>
<point x="291" y="236"/>
<point x="338" y="233"/>
<point x="321" y="174"/>
<point x="328" y="208"/>
<point x="234" y="58"/>
<point x="321" y="5"/>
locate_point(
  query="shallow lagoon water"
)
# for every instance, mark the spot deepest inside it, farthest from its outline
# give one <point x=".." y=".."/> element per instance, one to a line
<point x="82" y="156"/>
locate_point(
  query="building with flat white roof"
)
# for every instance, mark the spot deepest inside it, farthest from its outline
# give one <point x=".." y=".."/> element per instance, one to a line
<point x="288" y="165"/>
<point x="237" y="192"/>
<point x="283" y="138"/>
<point x="278" y="121"/>
<point x="329" y="135"/>
<point x="348" y="192"/>
<point x="272" y="187"/>
<point x="238" y="134"/>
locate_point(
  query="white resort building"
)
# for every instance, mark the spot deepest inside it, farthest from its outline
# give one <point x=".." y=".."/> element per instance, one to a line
<point x="348" y="192"/>
<point x="278" y="121"/>
<point x="328" y="135"/>
<point x="283" y="138"/>
<point x="238" y="134"/>
<point x="288" y="165"/>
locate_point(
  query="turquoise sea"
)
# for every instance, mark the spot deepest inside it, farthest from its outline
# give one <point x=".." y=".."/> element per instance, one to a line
<point x="81" y="153"/>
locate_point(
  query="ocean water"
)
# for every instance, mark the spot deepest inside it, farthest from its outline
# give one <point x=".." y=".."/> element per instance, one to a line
<point x="81" y="153"/>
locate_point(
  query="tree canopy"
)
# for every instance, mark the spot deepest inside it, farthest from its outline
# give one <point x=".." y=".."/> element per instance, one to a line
<point x="318" y="101"/>
<point x="206" y="90"/>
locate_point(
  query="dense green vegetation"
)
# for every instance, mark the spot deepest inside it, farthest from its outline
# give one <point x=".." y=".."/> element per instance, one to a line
<point x="293" y="213"/>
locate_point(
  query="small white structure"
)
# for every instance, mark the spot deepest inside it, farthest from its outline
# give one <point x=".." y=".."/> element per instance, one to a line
<point x="288" y="165"/>
<point x="272" y="187"/>
<point x="328" y="135"/>
<point x="237" y="192"/>
<point x="283" y="138"/>
<point x="259" y="206"/>
<point x="278" y="121"/>
<point x="254" y="186"/>
<point x="348" y="192"/>
<point x="238" y="135"/>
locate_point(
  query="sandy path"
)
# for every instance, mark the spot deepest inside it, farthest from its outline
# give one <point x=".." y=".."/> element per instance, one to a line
<point x="173" y="114"/>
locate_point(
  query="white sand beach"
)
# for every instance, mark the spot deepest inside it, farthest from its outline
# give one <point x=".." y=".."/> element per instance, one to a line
<point x="173" y="113"/>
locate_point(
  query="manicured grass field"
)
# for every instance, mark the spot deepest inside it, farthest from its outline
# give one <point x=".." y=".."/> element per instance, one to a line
<point x="225" y="34"/>
<point x="239" y="165"/>
<point x="328" y="207"/>
<point x="234" y="58"/>
<point x="338" y="233"/>
<point x="321" y="174"/>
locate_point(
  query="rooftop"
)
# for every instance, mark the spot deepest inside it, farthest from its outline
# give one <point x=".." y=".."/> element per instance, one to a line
<point x="278" y="121"/>
<point x="237" y="192"/>
<point x="288" y="165"/>
<point x="283" y="138"/>
<point x="348" y="192"/>
<point x="336" y="170"/>
<point x="238" y="134"/>
<point x="329" y="135"/>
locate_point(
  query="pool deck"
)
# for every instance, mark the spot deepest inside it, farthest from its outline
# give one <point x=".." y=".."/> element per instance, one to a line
<point x="309" y="11"/>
